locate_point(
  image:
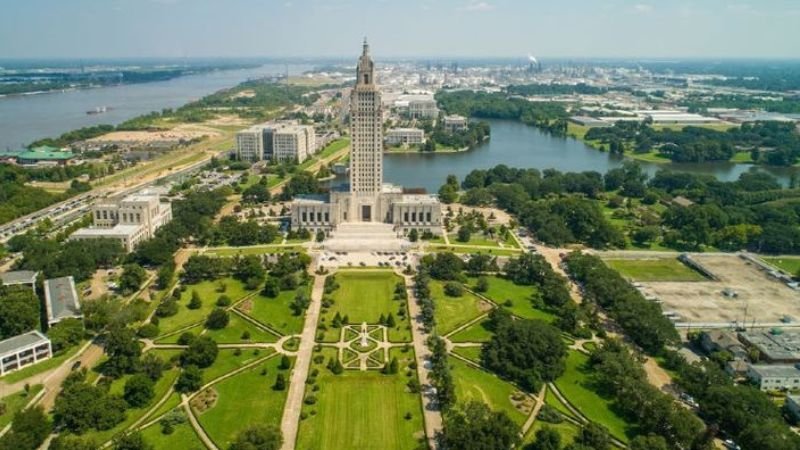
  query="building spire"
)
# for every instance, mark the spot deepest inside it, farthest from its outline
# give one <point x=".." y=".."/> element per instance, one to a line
<point x="365" y="52"/>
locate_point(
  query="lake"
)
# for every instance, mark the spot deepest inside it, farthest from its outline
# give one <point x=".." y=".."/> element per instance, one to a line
<point x="517" y="145"/>
<point x="25" y="118"/>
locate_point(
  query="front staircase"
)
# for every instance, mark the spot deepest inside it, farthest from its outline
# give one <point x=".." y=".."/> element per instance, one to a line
<point x="365" y="237"/>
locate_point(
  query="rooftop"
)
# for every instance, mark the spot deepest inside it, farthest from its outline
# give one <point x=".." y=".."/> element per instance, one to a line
<point x="19" y="277"/>
<point x="775" y="370"/>
<point x="61" y="299"/>
<point x="115" y="231"/>
<point x="21" y="342"/>
<point x="784" y="346"/>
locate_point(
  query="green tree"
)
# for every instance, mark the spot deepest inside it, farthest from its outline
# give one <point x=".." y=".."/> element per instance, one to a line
<point x="217" y="319"/>
<point x="138" y="390"/>
<point x="546" y="439"/>
<point x="258" y="437"/>
<point x="133" y="275"/>
<point x="271" y="288"/>
<point x="131" y="441"/>
<point x="464" y="234"/>
<point x="29" y="429"/>
<point x="280" y="382"/>
<point x="190" y="380"/>
<point x="413" y="235"/>
<point x="482" y="285"/>
<point x="123" y="350"/>
<point x="201" y="352"/>
<point x="476" y="427"/>
<point x="19" y="311"/>
<point x="196" y="302"/>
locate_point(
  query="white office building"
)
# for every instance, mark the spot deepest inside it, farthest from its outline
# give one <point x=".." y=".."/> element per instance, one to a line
<point x="276" y="141"/>
<point x="405" y="136"/>
<point x="24" y="350"/>
<point x="454" y="123"/>
<point x="131" y="220"/>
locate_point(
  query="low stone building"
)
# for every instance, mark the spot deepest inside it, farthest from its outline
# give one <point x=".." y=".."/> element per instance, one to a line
<point x="24" y="350"/>
<point x="61" y="300"/>
<point x="405" y="136"/>
<point x="774" y="377"/>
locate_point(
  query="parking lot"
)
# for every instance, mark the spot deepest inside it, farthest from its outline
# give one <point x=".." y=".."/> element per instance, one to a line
<point x="753" y="296"/>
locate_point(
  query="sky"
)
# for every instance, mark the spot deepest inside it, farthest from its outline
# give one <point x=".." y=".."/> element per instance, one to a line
<point x="400" y="28"/>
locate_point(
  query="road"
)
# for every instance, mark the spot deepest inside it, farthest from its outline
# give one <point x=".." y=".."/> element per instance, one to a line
<point x="297" y="385"/>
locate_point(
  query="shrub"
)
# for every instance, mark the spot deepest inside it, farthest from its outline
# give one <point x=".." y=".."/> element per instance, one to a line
<point x="148" y="331"/>
<point x="217" y="319"/>
<point x="223" y="301"/>
<point x="453" y="289"/>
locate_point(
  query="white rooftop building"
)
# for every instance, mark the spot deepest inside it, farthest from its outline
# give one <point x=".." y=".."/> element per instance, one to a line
<point x="23" y="350"/>
<point x="276" y="141"/>
<point x="132" y="220"/>
<point x="405" y="136"/>
<point x="61" y="300"/>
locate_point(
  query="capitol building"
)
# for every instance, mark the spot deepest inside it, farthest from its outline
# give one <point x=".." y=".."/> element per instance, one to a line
<point x="367" y="203"/>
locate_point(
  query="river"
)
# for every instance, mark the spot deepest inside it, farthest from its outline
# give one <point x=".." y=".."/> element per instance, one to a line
<point x="25" y="118"/>
<point x="517" y="145"/>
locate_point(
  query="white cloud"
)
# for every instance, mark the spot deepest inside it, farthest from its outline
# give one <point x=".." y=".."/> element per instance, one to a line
<point x="478" y="7"/>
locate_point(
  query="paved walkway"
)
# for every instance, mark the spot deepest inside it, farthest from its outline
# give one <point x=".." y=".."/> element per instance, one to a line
<point x="431" y="414"/>
<point x="297" y="385"/>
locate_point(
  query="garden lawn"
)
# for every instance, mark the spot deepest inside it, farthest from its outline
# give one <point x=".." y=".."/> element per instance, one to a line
<point x="363" y="296"/>
<point x="451" y="312"/>
<point x="482" y="386"/>
<point x="363" y="410"/>
<point x="16" y="402"/>
<point x="252" y="250"/>
<point x="575" y="385"/>
<point x="228" y="361"/>
<point x="232" y="334"/>
<point x="660" y="269"/>
<point x="183" y="437"/>
<point x="471" y="353"/>
<point x="501" y="290"/>
<point x="173" y="338"/>
<point x="477" y="332"/>
<point x="553" y="401"/>
<point x="275" y="312"/>
<point x="471" y="249"/>
<point x="209" y="295"/>
<point x="789" y="265"/>
<point x="245" y="399"/>
<point x="567" y="430"/>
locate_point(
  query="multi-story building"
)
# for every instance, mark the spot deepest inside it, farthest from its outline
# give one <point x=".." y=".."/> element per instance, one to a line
<point x="23" y="350"/>
<point x="405" y="136"/>
<point x="454" y="123"/>
<point x="422" y="107"/>
<point x="774" y="377"/>
<point x="367" y="198"/>
<point x="276" y="141"/>
<point x="132" y="220"/>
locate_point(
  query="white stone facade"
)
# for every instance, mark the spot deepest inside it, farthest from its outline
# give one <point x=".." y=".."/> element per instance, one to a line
<point x="132" y="220"/>
<point x="276" y="141"/>
<point x="454" y="124"/>
<point x="405" y="136"/>
<point x="367" y="199"/>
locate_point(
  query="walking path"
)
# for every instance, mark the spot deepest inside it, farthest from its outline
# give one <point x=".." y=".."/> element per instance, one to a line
<point x="294" y="401"/>
<point x="431" y="414"/>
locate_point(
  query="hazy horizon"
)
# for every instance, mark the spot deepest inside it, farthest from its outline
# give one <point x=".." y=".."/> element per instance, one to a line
<point x="413" y="29"/>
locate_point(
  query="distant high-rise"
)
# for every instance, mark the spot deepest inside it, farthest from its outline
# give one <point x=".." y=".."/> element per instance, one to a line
<point x="366" y="130"/>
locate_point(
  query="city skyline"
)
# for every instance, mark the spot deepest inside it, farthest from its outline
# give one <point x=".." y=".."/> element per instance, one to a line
<point x="418" y="28"/>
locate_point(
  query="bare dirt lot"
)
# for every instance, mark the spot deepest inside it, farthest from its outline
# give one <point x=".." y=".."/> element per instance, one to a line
<point x="177" y="134"/>
<point x="764" y="300"/>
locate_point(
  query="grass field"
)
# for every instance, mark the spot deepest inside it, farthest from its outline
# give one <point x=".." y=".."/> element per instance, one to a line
<point x="275" y="312"/>
<point x="553" y="401"/>
<point x="575" y="384"/>
<point x="365" y="295"/>
<point x="472" y="249"/>
<point x="477" y="332"/>
<point x="234" y="332"/>
<point x="568" y="431"/>
<point x="209" y="295"/>
<point x="237" y="408"/>
<point x="228" y="361"/>
<point x="16" y="402"/>
<point x="471" y="353"/>
<point x="183" y="437"/>
<point x="451" y="312"/>
<point x="661" y="269"/>
<point x="501" y="290"/>
<point x="789" y="265"/>
<point x="363" y="410"/>
<point x="482" y="386"/>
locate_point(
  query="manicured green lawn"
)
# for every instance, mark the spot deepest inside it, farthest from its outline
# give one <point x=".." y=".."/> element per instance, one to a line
<point x="182" y="437"/>
<point x="209" y="295"/>
<point x="482" y="386"/>
<point x="471" y="249"/>
<point x="575" y="384"/>
<point x="659" y="269"/>
<point x="480" y="239"/>
<point x="789" y="265"/>
<point x="228" y="361"/>
<point x="363" y="296"/>
<point x="450" y="312"/>
<point x="553" y="401"/>
<point x="471" y="353"/>
<point x="501" y="290"/>
<point x="234" y="332"/>
<point x="172" y="402"/>
<point x="275" y="312"/>
<point x="245" y="399"/>
<point x="361" y="410"/>
<point x="16" y="402"/>
<point x="173" y="338"/>
<point x="477" y="332"/>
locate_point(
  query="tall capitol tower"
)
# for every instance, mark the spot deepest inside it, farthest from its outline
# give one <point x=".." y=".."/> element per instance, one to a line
<point x="366" y="132"/>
